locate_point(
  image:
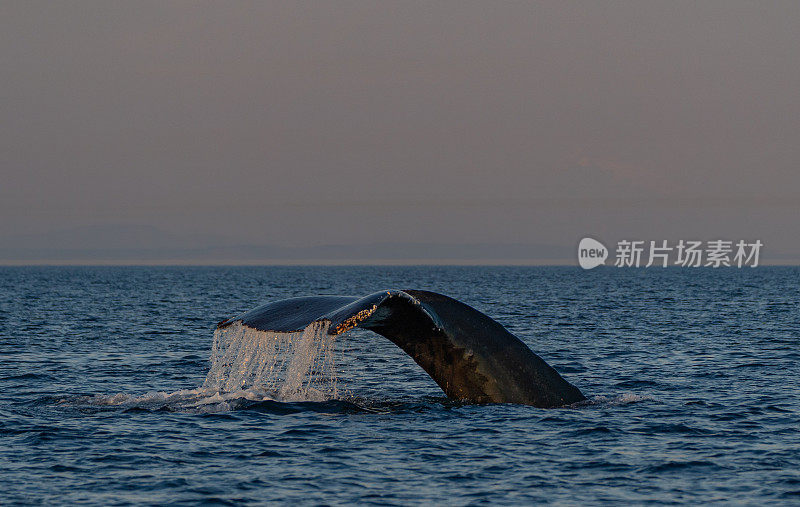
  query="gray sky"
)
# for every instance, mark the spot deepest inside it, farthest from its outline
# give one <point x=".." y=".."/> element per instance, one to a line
<point x="302" y="124"/>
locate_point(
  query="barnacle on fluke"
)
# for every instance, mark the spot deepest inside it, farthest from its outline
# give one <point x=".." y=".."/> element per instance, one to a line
<point x="471" y="357"/>
<point x="353" y="321"/>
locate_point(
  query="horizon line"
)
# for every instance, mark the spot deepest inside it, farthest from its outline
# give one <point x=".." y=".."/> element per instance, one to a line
<point x="331" y="262"/>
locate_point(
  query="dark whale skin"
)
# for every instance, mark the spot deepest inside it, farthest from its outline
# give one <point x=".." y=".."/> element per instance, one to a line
<point x="470" y="356"/>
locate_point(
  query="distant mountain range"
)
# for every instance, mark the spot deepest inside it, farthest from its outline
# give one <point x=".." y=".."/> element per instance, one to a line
<point x="131" y="243"/>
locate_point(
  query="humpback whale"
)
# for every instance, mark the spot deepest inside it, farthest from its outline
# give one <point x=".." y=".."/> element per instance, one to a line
<point x="470" y="356"/>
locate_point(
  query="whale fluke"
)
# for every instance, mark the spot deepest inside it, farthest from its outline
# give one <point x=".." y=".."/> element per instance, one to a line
<point x="469" y="355"/>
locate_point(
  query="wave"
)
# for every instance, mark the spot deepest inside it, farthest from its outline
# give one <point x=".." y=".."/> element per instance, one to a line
<point x="199" y="400"/>
<point x="619" y="399"/>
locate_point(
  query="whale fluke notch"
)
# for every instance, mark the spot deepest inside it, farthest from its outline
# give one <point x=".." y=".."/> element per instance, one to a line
<point x="470" y="356"/>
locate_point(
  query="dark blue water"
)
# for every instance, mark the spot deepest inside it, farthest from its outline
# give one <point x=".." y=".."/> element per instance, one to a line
<point x="692" y="375"/>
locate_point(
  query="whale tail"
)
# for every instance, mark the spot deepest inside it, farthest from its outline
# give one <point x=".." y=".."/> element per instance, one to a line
<point x="469" y="355"/>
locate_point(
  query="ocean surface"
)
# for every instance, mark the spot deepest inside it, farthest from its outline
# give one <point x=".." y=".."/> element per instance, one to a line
<point x="692" y="377"/>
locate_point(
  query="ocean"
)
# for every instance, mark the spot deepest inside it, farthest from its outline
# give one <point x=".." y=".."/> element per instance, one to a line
<point x="691" y="375"/>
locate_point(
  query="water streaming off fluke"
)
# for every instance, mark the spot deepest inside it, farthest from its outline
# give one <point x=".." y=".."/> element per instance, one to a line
<point x="296" y="366"/>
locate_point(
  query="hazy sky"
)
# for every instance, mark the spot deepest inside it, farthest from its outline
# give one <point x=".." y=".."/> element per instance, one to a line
<point x="459" y="122"/>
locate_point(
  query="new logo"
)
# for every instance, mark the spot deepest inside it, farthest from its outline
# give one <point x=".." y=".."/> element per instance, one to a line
<point x="591" y="253"/>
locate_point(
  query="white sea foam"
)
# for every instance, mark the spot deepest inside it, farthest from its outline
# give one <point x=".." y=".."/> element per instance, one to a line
<point x="186" y="400"/>
<point x="620" y="399"/>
